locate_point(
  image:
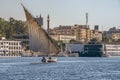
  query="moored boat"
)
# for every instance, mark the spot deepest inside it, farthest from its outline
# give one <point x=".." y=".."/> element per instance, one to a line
<point x="92" y="49"/>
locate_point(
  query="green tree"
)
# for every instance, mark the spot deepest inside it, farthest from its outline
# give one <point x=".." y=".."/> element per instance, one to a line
<point x="94" y="39"/>
<point x="74" y="41"/>
<point x="105" y="39"/>
<point x="8" y="28"/>
<point x="117" y="41"/>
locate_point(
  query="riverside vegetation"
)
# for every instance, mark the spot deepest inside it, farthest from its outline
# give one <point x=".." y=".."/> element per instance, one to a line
<point x="12" y="27"/>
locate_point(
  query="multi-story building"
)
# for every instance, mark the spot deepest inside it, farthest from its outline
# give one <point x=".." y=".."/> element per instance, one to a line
<point x="82" y="32"/>
<point x="9" y="48"/>
<point x="85" y="34"/>
<point x="113" y="34"/>
<point x="97" y="34"/>
<point x="116" y="36"/>
<point x="62" y="30"/>
<point x="96" y="27"/>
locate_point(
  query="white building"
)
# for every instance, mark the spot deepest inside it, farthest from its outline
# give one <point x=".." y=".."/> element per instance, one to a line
<point x="74" y="48"/>
<point x="64" y="38"/>
<point x="9" y="48"/>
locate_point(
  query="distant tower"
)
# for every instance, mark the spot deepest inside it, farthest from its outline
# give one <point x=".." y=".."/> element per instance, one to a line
<point x="48" y="23"/>
<point x="86" y="15"/>
<point x="39" y="20"/>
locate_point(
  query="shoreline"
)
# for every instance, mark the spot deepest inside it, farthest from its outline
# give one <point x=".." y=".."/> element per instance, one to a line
<point x="9" y="56"/>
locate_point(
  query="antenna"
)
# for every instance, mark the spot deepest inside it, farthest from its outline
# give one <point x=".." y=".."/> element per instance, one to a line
<point x="86" y="19"/>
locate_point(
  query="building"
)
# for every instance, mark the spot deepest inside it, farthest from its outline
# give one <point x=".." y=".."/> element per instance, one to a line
<point x="96" y="27"/>
<point x="64" y="38"/>
<point x="86" y="34"/>
<point x="82" y="32"/>
<point x="61" y="30"/>
<point x="115" y="36"/>
<point x="9" y="48"/>
<point x="74" y="48"/>
<point x="79" y="31"/>
<point x="97" y="34"/>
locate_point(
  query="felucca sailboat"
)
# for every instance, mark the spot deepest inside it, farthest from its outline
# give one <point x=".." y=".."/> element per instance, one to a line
<point x="40" y="41"/>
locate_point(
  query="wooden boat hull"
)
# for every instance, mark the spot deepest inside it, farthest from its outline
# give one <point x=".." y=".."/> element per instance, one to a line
<point x="51" y="60"/>
<point x="47" y="60"/>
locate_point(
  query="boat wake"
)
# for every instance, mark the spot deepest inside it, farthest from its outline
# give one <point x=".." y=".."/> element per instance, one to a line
<point x="70" y="61"/>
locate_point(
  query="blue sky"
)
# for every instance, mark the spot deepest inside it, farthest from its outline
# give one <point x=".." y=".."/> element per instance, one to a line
<point x="105" y="13"/>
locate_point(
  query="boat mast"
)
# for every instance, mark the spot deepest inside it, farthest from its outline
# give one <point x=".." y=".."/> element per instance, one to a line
<point x="48" y="20"/>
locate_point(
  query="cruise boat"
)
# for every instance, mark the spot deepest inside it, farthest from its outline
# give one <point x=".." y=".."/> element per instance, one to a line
<point x="92" y="49"/>
<point x="112" y="49"/>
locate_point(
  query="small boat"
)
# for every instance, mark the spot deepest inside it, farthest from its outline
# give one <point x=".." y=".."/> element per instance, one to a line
<point x="106" y="55"/>
<point x="52" y="60"/>
<point x="47" y="60"/>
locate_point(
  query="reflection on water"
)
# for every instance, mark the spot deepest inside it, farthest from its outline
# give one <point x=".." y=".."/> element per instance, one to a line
<point x="30" y="68"/>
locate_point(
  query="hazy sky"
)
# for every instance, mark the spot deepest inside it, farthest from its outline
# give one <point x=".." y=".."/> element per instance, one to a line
<point x="105" y="13"/>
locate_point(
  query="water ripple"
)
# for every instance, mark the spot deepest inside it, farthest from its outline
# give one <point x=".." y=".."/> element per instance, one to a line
<point x="64" y="69"/>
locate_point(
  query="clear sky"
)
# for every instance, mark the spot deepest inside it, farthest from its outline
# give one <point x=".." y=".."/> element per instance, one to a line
<point x="105" y="13"/>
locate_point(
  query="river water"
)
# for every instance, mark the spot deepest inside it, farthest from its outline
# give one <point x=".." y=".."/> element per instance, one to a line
<point x="67" y="68"/>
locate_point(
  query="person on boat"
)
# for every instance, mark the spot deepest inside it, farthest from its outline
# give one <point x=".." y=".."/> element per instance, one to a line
<point x="44" y="59"/>
<point x="49" y="57"/>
